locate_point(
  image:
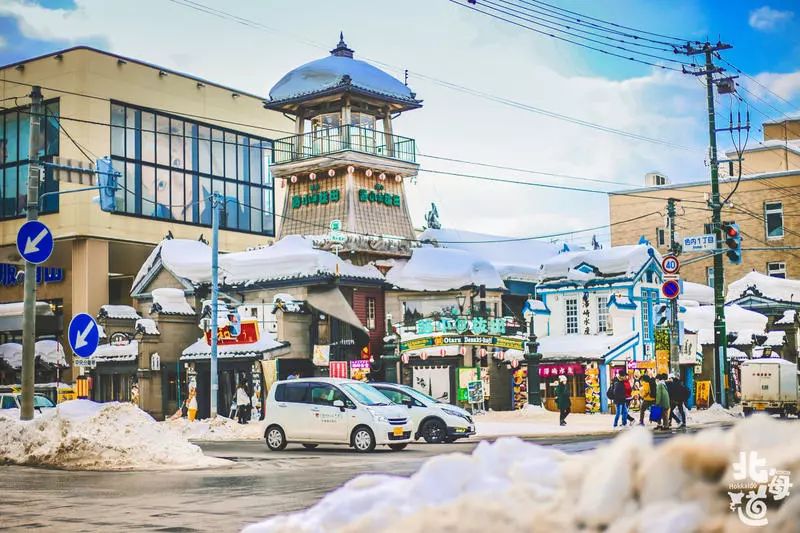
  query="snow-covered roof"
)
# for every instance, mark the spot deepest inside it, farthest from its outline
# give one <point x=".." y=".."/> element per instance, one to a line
<point x="788" y="317"/>
<point x="148" y="326"/>
<point x="110" y="353"/>
<point x="292" y="257"/>
<point x="169" y="301"/>
<point x="513" y="259"/>
<point x="17" y="308"/>
<point x="11" y="352"/>
<point x="697" y="292"/>
<point x="49" y="351"/>
<point x="779" y="289"/>
<point x="775" y="338"/>
<point x="333" y="71"/>
<point x="625" y="260"/>
<point x="121" y="312"/>
<point x="735" y="353"/>
<point x="700" y="320"/>
<point x="443" y="269"/>
<point x="201" y="350"/>
<point x="588" y="347"/>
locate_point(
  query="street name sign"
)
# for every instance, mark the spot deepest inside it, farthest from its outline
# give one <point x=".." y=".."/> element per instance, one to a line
<point x="34" y="242"/>
<point x="83" y="334"/>
<point x="700" y="243"/>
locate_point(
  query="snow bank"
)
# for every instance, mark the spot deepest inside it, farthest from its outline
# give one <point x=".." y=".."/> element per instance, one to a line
<point x="84" y="435"/>
<point x="219" y="428"/>
<point x="630" y="485"/>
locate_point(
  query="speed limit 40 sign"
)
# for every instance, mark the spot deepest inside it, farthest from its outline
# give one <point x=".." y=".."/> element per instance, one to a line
<point x="670" y="264"/>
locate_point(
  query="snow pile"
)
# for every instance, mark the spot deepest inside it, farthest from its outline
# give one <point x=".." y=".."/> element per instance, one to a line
<point x="110" y="352"/>
<point x="714" y="414"/>
<point x="696" y="292"/>
<point x="48" y="351"/>
<point x="442" y="269"/>
<point x="788" y="317"/>
<point x="147" y="326"/>
<point x="630" y="485"/>
<point x="219" y="428"/>
<point x="784" y="290"/>
<point x="120" y="312"/>
<point x="533" y="421"/>
<point x="512" y="258"/>
<point x="700" y="320"/>
<point x="84" y="435"/>
<point x="169" y="301"/>
<point x="617" y="260"/>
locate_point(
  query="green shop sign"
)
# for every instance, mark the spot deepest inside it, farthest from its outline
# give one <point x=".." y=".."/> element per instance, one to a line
<point x="315" y="197"/>
<point x="378" y="196"/>
<point x="506" y="343"/>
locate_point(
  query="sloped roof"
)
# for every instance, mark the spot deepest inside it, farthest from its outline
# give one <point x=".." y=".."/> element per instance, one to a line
<point x="443" y="269"/>
<point x="584" y="265"/>
<point x="758" y="284"/>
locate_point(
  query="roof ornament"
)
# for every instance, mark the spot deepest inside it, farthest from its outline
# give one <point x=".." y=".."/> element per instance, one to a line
<point x="341" y="49"/>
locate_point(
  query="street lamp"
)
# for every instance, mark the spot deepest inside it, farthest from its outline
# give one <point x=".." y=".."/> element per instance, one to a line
<point x="462" y="300"/>
<point x="533" y="358"/>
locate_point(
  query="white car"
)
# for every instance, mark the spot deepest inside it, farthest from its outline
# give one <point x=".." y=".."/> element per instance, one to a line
<point x="13" y="400"/>
<point x="433" y="421"/>
<point x="314" y="411"/>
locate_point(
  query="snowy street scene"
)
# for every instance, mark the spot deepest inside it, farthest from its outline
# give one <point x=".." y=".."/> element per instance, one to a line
<point x="445" y="266"/>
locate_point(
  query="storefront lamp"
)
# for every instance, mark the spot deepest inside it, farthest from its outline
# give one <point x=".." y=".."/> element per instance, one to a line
<point x="766" y="351"/>
<point x="462" y="300"/>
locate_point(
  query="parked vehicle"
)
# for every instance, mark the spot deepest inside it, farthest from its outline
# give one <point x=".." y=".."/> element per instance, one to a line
<point x="55" y="392"/>
<point x="314" y="411"/>
<point x="432" y="420"/>
<point x="769" y="385"/>
<point x="13" y="400"/>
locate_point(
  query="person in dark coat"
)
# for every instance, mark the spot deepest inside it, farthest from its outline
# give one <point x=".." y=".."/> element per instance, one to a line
<point x="616" y="394"/>
<point x="678" y="395"/>
<point x="562" y="399"/>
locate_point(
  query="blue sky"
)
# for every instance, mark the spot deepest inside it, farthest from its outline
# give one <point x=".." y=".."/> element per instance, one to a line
<point x="437" y="38"/>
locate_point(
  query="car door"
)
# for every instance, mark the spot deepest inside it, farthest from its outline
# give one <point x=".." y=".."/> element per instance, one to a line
<point x="293" y="409"/>
<point x="416" y="412"/>
<point x="327" y="423"/>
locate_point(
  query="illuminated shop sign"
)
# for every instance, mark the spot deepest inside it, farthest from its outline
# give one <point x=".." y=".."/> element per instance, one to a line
<point x="506" y="343"/>
<point x="12" y="275"/>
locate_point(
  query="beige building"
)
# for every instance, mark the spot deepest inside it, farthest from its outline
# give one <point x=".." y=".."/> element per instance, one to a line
<point x="765" y="205"/>
<point x="175" y="139"/>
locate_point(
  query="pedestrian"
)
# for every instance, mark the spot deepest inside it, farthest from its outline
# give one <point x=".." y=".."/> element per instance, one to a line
<point x="628" y="396"/>
<point x="616" y="394"/>
<point x="242" y="401"/>
<point x="678" y="395"/>
<point x="562" y="399"/>
<point x="648" y="395"/>
<point x="662" y="400"/>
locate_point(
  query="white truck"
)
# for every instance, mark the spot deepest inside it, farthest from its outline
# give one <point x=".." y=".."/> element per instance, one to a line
<point x="770" y="385"/>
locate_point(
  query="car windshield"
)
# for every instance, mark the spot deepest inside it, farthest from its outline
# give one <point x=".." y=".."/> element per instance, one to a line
<point x="420" y="396"/>
<point x="42" y="401"/>
<point x="365" y="394"/>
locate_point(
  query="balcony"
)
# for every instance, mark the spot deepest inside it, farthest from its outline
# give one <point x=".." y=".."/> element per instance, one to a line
<point x="323" y="142"/>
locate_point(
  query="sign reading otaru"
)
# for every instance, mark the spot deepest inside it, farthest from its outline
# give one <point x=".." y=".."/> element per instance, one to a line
<point x="508" y="343"/>
<point x="247" y="335"/>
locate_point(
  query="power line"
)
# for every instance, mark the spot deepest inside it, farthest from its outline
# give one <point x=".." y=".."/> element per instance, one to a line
<point x="754" y="80"/>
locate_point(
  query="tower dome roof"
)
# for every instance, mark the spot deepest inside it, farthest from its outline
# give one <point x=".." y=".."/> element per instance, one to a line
<point x="340" y="72"/>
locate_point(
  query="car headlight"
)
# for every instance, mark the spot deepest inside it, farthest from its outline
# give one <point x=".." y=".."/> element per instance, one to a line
<point x="455" y="413"/>
<point x="377" y="417"/>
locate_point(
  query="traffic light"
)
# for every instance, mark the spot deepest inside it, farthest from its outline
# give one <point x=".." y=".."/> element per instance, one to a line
<point x="662" y="314"/>
<point x="733" y="240"/>
<point x="107" y="180"/>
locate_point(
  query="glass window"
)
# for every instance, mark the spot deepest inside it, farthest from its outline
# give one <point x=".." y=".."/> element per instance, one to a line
<point x="325" y="394"/>
<point x="41" y="402"/>
<point x="661" y="239"/>
<point x="217" y="153"/>
<point x="364" y="394"/>
<point x="371" y="313"/>
<point x="149" y="189"/>
<point x="148" y="141"/>
<point x="292" y="392"/>
<point x="571" y="309"/>
<point x="773" y="213"/>
<point x="117" y="130"/>
<point x="602" y="314"/>
<point x="776" y="269"/>
<point x="176" y="144"/>
<point x="230" y="155"/>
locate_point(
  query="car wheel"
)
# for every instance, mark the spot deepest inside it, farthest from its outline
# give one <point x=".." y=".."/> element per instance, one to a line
<point x="276" y="438"/>
<point x="308" y="446"/>
<point x="434" y="431"/>
<point x="398" y="447"/>
<point x="363" y="439"/>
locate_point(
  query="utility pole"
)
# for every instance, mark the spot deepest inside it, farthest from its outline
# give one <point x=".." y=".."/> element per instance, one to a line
<point x="216" y="204"/>
<point x="674" y="249"/>
<point x="29" y="306"/>
<point x="720" y="340"/>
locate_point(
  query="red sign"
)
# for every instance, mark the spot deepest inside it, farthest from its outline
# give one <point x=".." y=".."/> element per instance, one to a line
<point x="337" y="369"/>
<point x="671" y="289"/>
<point x="567" y="369"/>
<point x="248" y="335"/>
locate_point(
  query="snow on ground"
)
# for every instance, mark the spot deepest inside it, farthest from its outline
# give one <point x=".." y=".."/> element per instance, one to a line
<point x="629" y="485"/>
<point x="539" y="422"/>
<point x="219" y="428"/>
<point x="84" y="435"/>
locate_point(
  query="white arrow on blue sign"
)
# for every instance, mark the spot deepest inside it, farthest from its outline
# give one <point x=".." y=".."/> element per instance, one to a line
<point x="34" y="242"/>
<point x="83" y="334"/>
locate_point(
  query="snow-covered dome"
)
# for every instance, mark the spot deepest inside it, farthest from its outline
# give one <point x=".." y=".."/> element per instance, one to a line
<point x="340" y="70"/>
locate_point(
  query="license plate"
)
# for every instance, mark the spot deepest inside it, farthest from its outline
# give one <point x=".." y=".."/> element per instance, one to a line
<point x="759" y="405"/>
<point x="460" y="430"/>
<point x="398" y="432"/>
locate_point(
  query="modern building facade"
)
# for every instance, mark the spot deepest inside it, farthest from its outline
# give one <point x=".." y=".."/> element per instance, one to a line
<point x="174" y="138"/>
<point x="764" y="203"/>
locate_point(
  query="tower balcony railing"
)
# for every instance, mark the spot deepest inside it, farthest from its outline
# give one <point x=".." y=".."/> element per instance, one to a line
<point x="328" y="141"/>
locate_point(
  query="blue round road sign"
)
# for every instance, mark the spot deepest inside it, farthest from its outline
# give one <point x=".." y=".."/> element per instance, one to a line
<point x="671" y="289"/>
<point x="34" y="242"/>
<point x="83" y="334"/>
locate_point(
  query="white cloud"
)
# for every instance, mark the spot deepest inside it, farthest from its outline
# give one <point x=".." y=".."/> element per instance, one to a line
<point x="3" y="42"/>
<point x="469" y="51"/>
<point x="786" y="85"/>
<point x="767" y="19"/>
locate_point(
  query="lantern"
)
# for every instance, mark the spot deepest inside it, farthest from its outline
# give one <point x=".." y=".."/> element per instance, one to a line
<point x="501" y="355"/>
<point x="331" y="173"/>
<point x="398" y="178"/>
<point x="381" y="176"/>
<point x="312" y="176"/>
<point x="368" y="172"/>
<point x="351" y="169"/>
<point x="423" y="356"/>
<point x="404" y="358"/>
<point x="514" y="363"/>
<point x="482" y="352"/>
<point x="443" y="352"/>
<point x="293" y="179"/>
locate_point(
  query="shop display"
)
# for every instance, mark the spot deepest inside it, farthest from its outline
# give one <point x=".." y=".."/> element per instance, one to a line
<point x="520" y="387"/>
<point x="592" y="388"/>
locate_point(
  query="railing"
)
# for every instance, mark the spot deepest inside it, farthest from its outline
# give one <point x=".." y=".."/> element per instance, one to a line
<point x="341" y="138"/>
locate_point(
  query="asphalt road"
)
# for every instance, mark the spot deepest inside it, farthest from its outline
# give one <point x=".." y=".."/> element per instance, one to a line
<point x="261" y="484"/>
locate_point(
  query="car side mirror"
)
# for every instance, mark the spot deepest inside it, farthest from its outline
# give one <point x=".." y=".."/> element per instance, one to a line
<point x="339" y="404"/>
<point x="409" y="402"/>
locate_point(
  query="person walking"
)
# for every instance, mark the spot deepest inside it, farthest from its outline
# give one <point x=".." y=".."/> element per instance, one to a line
<point x="616" y="393"/>
<point x="662" y="400"/>
<point x="562" y="399"/>
<point x="648" y="396"/>
<point x="242" y="401"/>
<point x="628" y="396"/>
<point x="678" y="395"/>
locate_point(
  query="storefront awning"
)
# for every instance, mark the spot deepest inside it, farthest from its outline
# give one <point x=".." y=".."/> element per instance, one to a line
<point x="332" y="302"/>
<point x="266" y="347"/>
